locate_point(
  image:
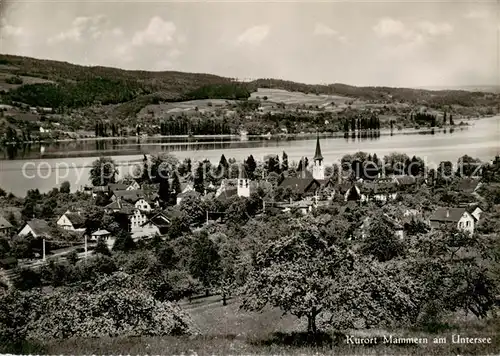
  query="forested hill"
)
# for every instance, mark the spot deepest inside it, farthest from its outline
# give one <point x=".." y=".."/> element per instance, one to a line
<point x="51" y="83"/>
<point x="408" y="95"/>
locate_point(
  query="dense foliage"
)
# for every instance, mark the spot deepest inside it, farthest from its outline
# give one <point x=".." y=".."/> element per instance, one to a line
<point x="220" y="91"/>
<point x="75" y="95"/>
<point x="113" y="308"/>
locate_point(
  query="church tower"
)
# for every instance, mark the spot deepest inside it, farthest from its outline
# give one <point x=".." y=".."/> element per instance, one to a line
<point x="243" y="183"/>
<point x="318" y="168"/>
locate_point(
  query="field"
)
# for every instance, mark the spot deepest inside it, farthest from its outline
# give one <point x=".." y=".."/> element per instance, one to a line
<point x="299" y="98"/>
<point x="160" y="110"/>
<point x="228" y="330"/>
<point x="26" y="80"/>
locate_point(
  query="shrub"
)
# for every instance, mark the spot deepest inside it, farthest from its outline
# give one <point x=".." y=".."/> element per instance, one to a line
<point x="14" y="80"/>
<point x="112" y="308"/>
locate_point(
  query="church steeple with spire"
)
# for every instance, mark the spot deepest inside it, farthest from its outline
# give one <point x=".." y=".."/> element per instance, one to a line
<point x="243" y="183"/>
<point x="319" y="167"/>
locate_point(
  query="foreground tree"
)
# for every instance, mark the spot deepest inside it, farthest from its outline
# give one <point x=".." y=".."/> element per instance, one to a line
<point x="381" y="241"/>
<point x="205" y="261"/>
<point x="307" y="277"/>
<point x="455" y="272"/>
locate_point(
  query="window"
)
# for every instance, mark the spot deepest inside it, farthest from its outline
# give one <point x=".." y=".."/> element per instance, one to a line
<point x="461" y="224"/>
<point x="468" y="223"/>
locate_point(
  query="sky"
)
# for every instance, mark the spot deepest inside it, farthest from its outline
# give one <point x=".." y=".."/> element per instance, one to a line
<point x="391" y="43"/>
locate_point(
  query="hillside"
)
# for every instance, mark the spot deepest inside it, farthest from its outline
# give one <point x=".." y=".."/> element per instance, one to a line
<point x="78" y="101"/>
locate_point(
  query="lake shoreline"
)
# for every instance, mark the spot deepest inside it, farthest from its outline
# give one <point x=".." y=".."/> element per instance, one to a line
<point x="385" y="131"/>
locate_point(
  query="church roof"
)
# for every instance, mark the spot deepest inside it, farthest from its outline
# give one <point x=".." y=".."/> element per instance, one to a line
<point x="302" y="185"/>
<point x="317" y="154"/>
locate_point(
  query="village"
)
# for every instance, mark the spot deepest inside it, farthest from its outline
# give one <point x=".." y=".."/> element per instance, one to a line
<point x="138" y="207"/>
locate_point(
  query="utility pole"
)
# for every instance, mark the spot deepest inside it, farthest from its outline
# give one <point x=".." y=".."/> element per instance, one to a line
<point x="43" y="249"/>
<point x="207" y="216"/>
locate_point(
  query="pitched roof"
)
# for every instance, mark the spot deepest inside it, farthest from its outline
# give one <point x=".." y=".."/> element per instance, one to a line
<point x="121" y="206"/>
<point x="101" y="233"/>
<point x="228" y="193"/>
<point x="130" y="195"/>
<point x="302" y="185"/>
<point x="39" y="227"/>
<point x="117" y="186"/>
<point x="76" y="220"/>
<point x="159" y="219"/>
<point x="4" y="224"/>
<point x="242" y="172"/>
<point x="317" y="154"/>
<point x="448" y="214"/>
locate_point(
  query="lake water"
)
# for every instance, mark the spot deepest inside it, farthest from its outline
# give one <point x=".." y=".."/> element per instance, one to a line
<point x="47" y="166"/>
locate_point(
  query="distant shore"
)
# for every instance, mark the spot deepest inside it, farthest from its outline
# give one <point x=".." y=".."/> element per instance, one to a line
<point x="385" y="131"/>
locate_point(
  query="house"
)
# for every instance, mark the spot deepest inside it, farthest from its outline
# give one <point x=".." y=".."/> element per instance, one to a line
<point x="303" y="186"/>
<point x="226" y="184"/>
<point x="96" y="235"/>
<point x="72" y="221"/>
<point x="352" y="193"/>
<point x="457" y="217"/>
<point x="158" y="224"/>
<point x="378" y="190"/>
<point x="476" y="212"/>
<point x="104" y="235"/>
<point x="136" y="220"/>
<point x="130" y="196"/>
<point x="36" y="228"/>
<point x="5" y="226"/>
<point x="143" y="205"/>
<point x="137" y="214"/>
<point x="119" y="206"/>
<point x="144" y="200"/>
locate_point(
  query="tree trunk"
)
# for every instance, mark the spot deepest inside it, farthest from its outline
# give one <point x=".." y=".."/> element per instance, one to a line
<point x="311" y="322"/>
<point x="224" y="300"/>
<point x="207" y="293"/>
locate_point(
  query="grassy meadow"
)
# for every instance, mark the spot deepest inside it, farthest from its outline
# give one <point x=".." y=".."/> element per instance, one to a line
<point x="227" y="330"/>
